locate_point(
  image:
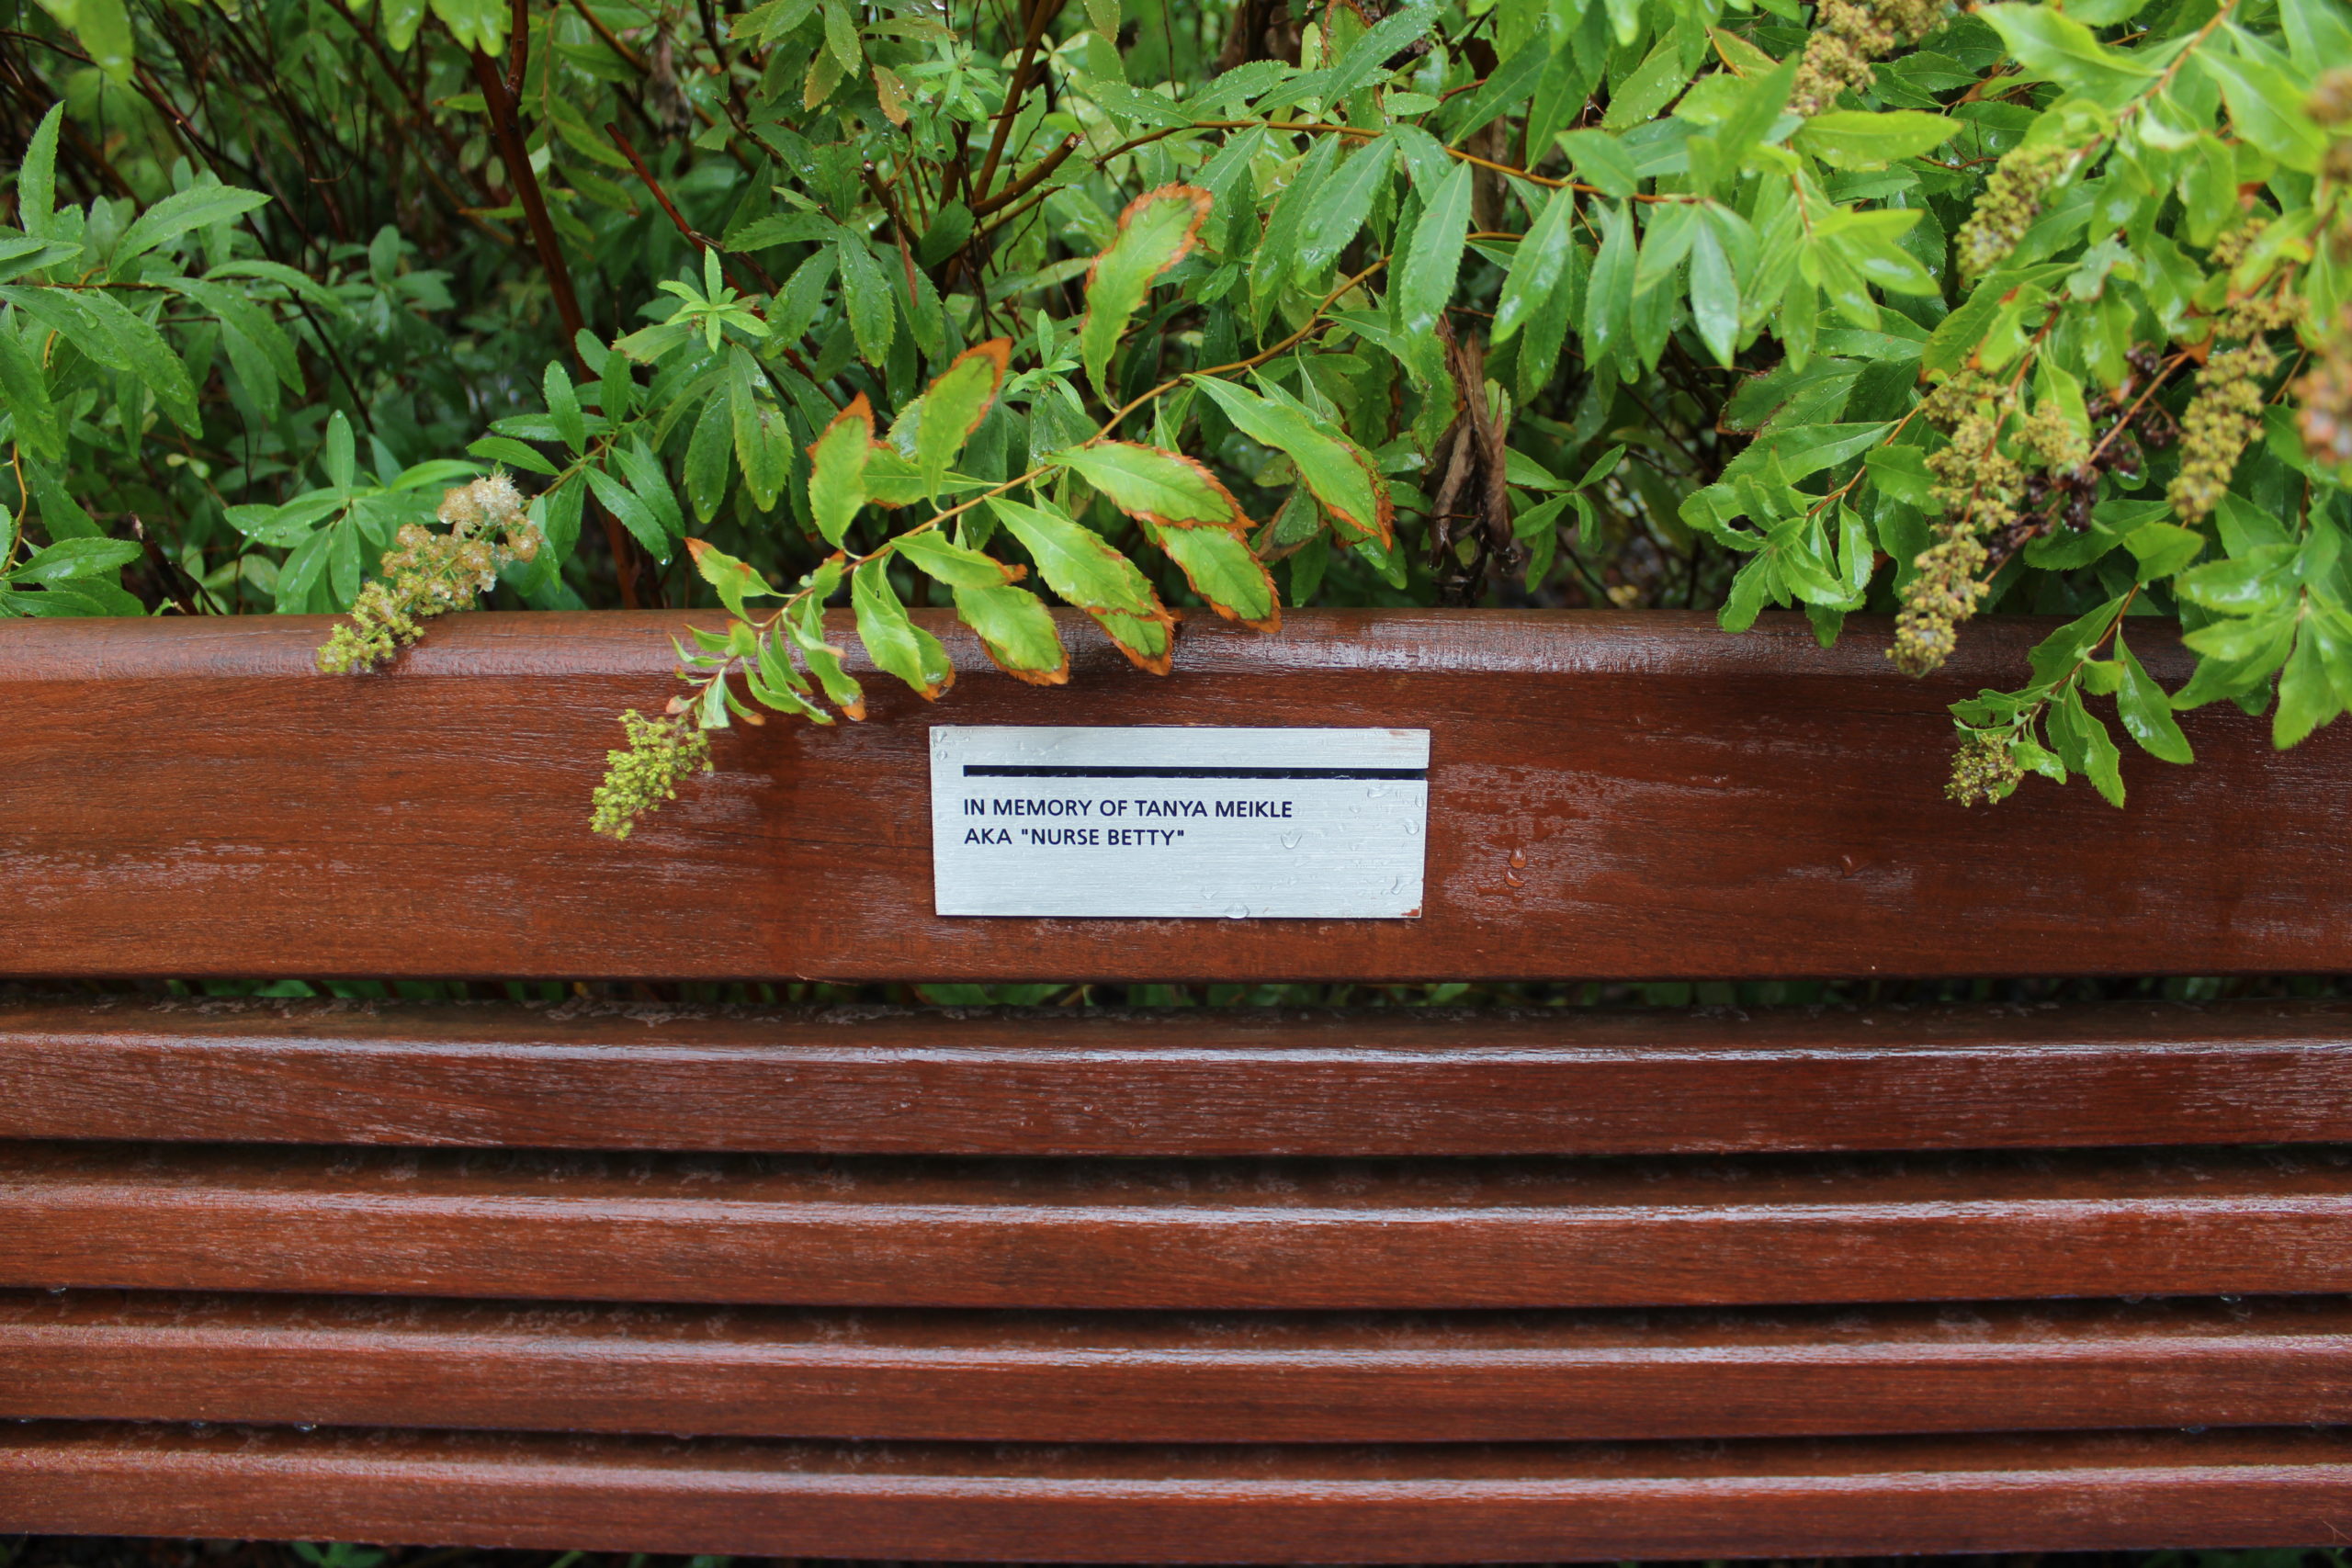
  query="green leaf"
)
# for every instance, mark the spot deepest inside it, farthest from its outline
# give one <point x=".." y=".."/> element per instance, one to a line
<point x="865" y="290"/>
<point x="1277" y="253"/>
<point x="954" y="406"/>
<point x="1078" y="564"/>
<point x="1158" y="487"/>
<point x="141" y="347"/>
<point x="1855" y="139"/>
<point x="563" y="407"/>
<point x="2054" y="46"/>
<point x="2307" y="698"/>
<point x="805" y="625"/>
<point x="642" y="522"/>
<point x="199" y="207"/>
<point x="1018" y="632"/>
<point x="2084" y="745"/>
<point x="763" y="444"/>
<point x="2268" y="111"/>
<point x="1221" y="571"/>
<point x="2147" y="711"/>
<point x="837" y="460"/>
<point x="1334" y="470"/>
<point x="24" y="391"/>
<point x="706" y="453"/>
<point x="1602" y="161"/>
<point x="1339" y="208"/>
<point x="104" y="28"/>
<point x="1714" y="296"/>
<point x="734" y="581"/>
<point x="506" y="449"/>
<point x="339" y="460"/>
<point x="70" y="559"/>
<point x="1608" y="299"/>
<point x="951" y="563"/>
<point x="1155" y="232"/>
<point x="1425" y="281"/>
<point x="2162" y="548"/>
<point x="1541" y="265"/>
<point x="37" y="175"/>
<point x="895" y="643"/>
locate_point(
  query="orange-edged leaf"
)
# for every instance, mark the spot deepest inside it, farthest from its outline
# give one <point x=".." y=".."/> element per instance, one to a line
<point x="959" y="399"/>
<point x="894" y="642"/>
<point x="1079" y="564"/>
<point x="1017" y="629"/>
<point x="1155" y="486"/>
<point x="1155" y="232"/>
<point x="1218" y="565"/>
<point x="734" y="581"/>
<point x="1336" y="471"/>
<point x="952" y="563"/>
<point x="837" y="469"/>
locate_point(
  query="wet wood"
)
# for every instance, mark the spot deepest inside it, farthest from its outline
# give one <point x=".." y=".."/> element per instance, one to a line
<point x="191" y="798"/>
<point x="1456" y="1502"/>
<point x="1194" y="1234"/>
<point x="1283" y="1377"/>
<point x="1178" y="1081"/>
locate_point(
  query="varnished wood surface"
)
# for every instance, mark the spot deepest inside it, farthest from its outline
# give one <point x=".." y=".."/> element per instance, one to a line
<point x="1283" y="1377"/>
<point x="1178" y="1081"/>
<point x="1610" y="796"/>
<point x="1192" y="1235"/>
<point x="1520" y="1502"/>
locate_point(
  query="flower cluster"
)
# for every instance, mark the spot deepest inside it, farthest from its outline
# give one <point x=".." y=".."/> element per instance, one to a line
<point x="661" y="753"/>
<point x="1985" y="767"/>
<point x="1846" y="36"/>
<point x="427" y="573"/>
<point x="2226" y="411"/>
<point x="1977" y="487"/>
<point x="2012" y="200"/>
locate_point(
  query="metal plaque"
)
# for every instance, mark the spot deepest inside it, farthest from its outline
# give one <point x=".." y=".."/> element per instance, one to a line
<point x="1178" y="823"/>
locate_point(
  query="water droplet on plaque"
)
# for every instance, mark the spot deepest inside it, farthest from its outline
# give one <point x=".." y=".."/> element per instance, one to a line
<point x="1291" y="839"/>
<point x="1237" y="912"/>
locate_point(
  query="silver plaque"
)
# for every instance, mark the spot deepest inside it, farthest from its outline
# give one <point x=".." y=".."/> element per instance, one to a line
<point x="1178" y="823"/>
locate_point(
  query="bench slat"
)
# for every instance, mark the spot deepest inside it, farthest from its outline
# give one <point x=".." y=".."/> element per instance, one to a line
<point x="1190" y="1505"/>
<point x="1204" y="1234"/>
<point x="1266" y="1378"/>
<point x="1633" y="797"/>
<point x="1181" y="1081"/>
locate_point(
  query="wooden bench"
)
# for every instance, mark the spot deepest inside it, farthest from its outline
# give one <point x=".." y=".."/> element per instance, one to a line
<point x="1177" y="1284"/>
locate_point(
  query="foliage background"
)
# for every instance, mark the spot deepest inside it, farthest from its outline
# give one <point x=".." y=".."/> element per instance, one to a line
<point x="1874" y="305"/>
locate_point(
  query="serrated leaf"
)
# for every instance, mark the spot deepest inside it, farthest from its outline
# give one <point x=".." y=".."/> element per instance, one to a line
<point x="1540" y="267"/>
<point x="1336" y="471"/>
<point x="1018" y="632"/>
<point x="959" y="399"/>
<point x="1158" y="487"/>
<point x="894" y="642"/>
<point x="706" y="453"/>
<point x="762" y="448"/>
<point x="837" y="460"/>
<point x="505" y="449"/>
<point x="37" y="175"/>
<point x="1076" y="563"/>
<point x="805" y="625"/>
<point x="951" y="563"/>
<point x="70" y="559"/>
<point x="642" y="522"/>
<point x="1425" y="279"/>
<point x="1221" y="571"/>
<point x="1341" y="205"/>
<point x="199" y="207"/>
<point x="24" y="391"/>
<point x="732" y="580"/>
<point x="866" y="291"/>
<point x="1155" y="232"/>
